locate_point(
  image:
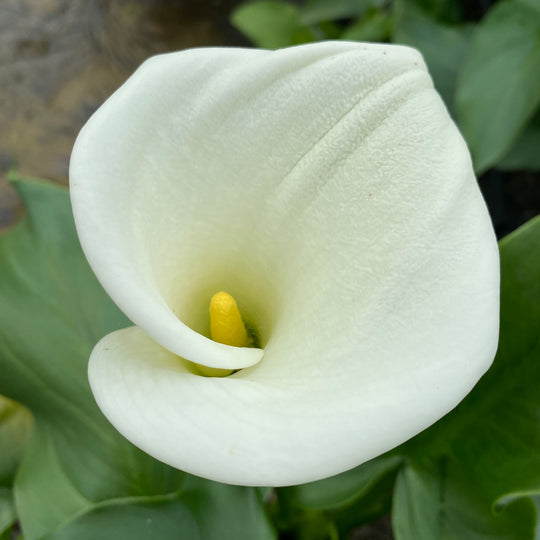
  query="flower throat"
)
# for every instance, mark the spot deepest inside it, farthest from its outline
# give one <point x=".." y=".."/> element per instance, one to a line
<point x="227" y="327"/>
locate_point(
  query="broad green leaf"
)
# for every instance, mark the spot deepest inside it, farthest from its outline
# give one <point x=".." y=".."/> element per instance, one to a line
<point x="223" y="511"/>
<point x="448" y="11"/>
<point x="532" y="4"/>
<point x="204" y="510"/>
<point x="8" y="535"/>
<point x="15" y="430"/>
<point x="348" y="499"/>
<point x="469" y="475"/>
<point x="314" y="11"/>
<point x="373" y="26"/>
<point x="7" y="512"/>
<point x="525" y="154"/>
<point x="499" y="87"/>
<point x="428" y="503"/>
<point x="536" y="500"/>
<point x="343" y="489"/>
<point x="326" y="30"/>
<point x="271" y="24"/>
<point x="41" y="472"/>
<point x="52" y="312"/>
<point x="133" y="519"/>
<point x="371" y="504"/>
<point x="443" y="47"/>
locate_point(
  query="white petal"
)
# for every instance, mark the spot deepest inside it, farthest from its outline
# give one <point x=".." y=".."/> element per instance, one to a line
<point x="180" y="180"/>
<point x="327" y="189"/>
<point x="252" y="431"/>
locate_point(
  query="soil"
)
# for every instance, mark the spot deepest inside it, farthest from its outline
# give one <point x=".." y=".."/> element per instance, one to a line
<point x="61" y="59"/>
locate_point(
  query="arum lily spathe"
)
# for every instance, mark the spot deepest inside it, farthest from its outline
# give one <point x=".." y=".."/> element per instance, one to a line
<point x="327" y="190"/>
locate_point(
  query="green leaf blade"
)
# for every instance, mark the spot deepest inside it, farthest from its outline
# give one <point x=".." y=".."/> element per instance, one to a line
<point x="499" y="86"/>
<point x="271" y="24"/>
<point x="133" y="519"/>
<point x="343" y="489"/>
<point x="428" y="505"/>
<point x="470" y="475"/>
<point x="375" y="26"/>
<point x="444" y="47"/>
<point x="8" y="515"/>
<point x="15" y="431"/>
<point x="76" y="466"/>
<point x="315" y="11"/>
<point x="525" y="154"/>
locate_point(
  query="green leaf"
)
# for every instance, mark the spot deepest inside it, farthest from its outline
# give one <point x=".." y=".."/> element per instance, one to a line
<point x="531" y="4"/>
<point x="348" y="499"/>
<point x="443" y="47"/>
<point x="41" y="472"/>
<point x="15" y="430"/>
<point x="373" y="26"/>
<point x="136" y="519"/>
<point x="271" y="25"/>
<point x="525" y="154"/>
<point x="469" y="475"/>
<point x="8" y="535"/>
<point x="52" y="312"/>
<point x="499" y="87"/>
<point x="341" y="490"/>
<point x="326" y="30"/>
<point x="7" y="511"/>
<point x="448" y="11"/>
<point x="536" y="500"/>
<point x="314" y="11"/>
<point x="204" y="510"/>
<point x="235" y="511"/>
<point x="429" y="504"/>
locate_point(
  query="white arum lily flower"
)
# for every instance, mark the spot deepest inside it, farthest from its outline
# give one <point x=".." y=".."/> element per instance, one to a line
<point x="326" y="190"/>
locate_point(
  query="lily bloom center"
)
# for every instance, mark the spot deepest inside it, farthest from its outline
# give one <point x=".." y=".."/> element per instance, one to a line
<point x="227" y="327"/>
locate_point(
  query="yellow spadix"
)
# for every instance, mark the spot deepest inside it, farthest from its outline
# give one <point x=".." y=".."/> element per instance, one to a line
<point x="227" y="327"/>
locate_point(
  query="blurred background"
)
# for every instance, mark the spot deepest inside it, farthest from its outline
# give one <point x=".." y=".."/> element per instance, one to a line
<point x="60" y="59"/>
